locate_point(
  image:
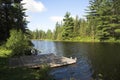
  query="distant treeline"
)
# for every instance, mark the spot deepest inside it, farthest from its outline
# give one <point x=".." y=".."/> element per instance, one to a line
<point x="102" y="23"/>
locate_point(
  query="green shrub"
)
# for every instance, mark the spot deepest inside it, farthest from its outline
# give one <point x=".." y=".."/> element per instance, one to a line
<point x="5" y="52"/>
<point x="18" y="43"/>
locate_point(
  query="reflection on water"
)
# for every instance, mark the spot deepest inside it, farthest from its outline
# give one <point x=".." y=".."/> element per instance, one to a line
<point x="106" y="61"/>
<point x="44" y="46"/>
<point x="95" y="60"/>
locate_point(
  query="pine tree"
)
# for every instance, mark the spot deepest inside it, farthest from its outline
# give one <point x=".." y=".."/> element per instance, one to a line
<point x="68" y="27"/>
<point x="58" y="31"/>
<point x="12" y="16"/>
<point x="76" y="26"/>
<point x="49" y="34"/>
<point x="106" y="15"/>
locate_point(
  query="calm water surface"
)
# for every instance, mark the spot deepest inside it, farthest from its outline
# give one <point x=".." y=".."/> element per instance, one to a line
<point x="96" y="61"/>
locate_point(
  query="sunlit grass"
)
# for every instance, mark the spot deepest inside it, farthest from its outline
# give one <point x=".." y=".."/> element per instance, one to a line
<point x="5" y="52"/>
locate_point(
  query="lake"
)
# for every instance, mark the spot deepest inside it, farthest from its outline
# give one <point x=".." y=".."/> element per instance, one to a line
<point x="98" y="61"/>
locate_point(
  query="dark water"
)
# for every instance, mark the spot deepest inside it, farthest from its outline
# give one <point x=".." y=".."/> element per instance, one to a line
<point x="96" y="61"/>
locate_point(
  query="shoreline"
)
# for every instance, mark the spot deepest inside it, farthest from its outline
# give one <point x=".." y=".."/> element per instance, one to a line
<point x="91" y="41"/>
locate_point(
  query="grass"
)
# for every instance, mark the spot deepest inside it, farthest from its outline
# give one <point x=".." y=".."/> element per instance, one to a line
<point x="7" y="73"/>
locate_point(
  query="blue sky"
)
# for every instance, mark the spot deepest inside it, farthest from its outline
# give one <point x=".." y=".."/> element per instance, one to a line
<point x="43" y="14"/>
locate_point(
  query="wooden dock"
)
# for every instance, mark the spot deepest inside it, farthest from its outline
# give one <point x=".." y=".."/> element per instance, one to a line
<point x="39" y="60"/>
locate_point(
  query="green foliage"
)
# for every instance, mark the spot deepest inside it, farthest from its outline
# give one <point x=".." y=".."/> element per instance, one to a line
<point x="68" y="27"/>
<point x="77" y="26"/>
<point x="72" y="29"/>
<point x="12" y="16"/>
<point x="49" y="34"/>
<point x="102" y="23"/>
<point x="58" y="31"/>
<point x="5" y="52"/>
<point x="85" y="39"/>
<point x="22" y="73"/>
<point x="18" y="43"/>
<point x="38" y="34"/>
<point x="106" y="15"/>
<point x="117" y="33"/>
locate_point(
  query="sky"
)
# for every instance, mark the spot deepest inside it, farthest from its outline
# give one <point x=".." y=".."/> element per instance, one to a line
<point x="43" y="14"/>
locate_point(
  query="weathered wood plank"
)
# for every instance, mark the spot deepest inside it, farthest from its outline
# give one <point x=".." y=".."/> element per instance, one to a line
<point x="39" y="60"/>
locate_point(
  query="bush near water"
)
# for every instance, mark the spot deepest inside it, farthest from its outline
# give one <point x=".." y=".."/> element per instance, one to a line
<point x="17" y="45"/>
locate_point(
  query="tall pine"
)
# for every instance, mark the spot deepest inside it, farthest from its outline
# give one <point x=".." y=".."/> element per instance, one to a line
<point x="106" y="15"/>
<point x="12" y="16"/>
<point x="68" y="27"/>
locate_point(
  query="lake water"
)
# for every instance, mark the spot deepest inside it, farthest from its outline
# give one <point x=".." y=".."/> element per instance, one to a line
<point x="96" y="61"/>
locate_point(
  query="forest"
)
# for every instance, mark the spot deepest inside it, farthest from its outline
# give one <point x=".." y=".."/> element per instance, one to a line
<point x="101" y="24"/>
<point x="15" y="42"/>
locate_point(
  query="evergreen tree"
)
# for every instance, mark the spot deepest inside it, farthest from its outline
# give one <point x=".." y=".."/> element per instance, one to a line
<point x="116" y="18"/>
<point x="68" y="27"/>
<point x="76" y="26"/>
<point x="41" y="34"/>
<point x="19" y="43"/>
<point x="83" y="27"/>
<point x="37" y="34"/>
<point x="49" y="34"/>
<point x="106" y="15"/>
<point x="12" y="16"/>
<point x="58" y="31"/>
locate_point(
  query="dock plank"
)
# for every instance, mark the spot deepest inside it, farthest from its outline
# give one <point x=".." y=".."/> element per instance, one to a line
<point x="39" y="60"/>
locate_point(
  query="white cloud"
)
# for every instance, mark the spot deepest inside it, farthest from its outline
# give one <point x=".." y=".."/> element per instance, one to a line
<point x="33" y="6"/>
<point x="56" y="18"/>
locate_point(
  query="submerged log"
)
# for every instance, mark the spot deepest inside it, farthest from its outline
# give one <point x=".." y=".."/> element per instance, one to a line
<point x="44" y="59"/>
